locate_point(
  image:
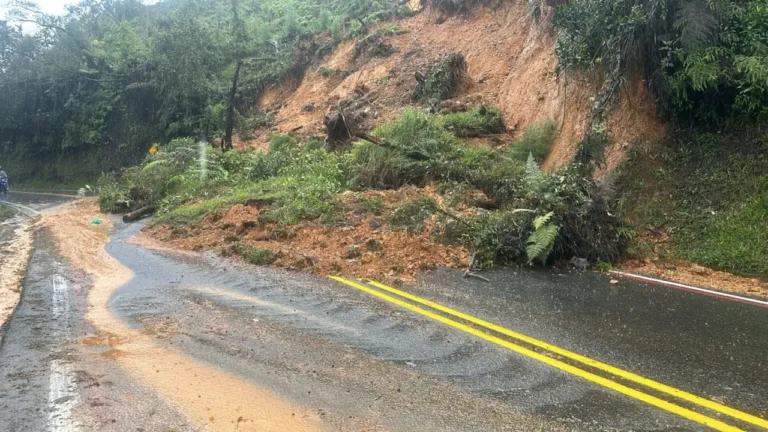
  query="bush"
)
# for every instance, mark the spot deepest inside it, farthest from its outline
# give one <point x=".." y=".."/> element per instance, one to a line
<point x="537" y="140"/>
<point x="440" y="81"/>
<point x="282" y="143"/>
<point x="476" y="122"/>
<point x="418" y="148"/>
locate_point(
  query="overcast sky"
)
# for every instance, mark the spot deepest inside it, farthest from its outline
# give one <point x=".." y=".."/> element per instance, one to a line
<point x="47" y="6"/>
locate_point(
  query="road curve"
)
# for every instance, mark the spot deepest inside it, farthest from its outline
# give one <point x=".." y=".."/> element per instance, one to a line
<point x="168" y="341"/>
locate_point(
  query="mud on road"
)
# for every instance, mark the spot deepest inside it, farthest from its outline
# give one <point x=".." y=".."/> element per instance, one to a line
<point x="110" y="335"/>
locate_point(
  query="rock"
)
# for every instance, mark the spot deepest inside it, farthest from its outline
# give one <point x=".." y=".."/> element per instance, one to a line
<point x="303" y="262"/>
<point x="700" y="270"/>
<point x="614" y="281"/>
<point x="580" y="263"/>
<point x="308" y="107"/>
<point x="373" y="245"/>
<point x="374" y="223"/>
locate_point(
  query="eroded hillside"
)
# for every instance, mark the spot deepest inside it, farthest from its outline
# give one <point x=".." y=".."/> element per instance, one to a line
<point x="510" y="63"/>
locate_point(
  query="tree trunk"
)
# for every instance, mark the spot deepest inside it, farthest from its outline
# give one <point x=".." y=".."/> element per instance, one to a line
<point x="231" y="108"/>
<point x="138" y="214"/>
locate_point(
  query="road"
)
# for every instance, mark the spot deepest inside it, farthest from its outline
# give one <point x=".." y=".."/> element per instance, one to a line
<point x="194" y="342"/>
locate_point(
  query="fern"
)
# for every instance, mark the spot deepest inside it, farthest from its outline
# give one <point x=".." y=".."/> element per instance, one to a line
<point x="696" y="23"/>
<point x="541" y="242"/>
<point x="533" y="175"/>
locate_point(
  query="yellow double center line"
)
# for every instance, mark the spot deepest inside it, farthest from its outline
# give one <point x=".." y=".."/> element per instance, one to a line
<point x="605" y="382"/>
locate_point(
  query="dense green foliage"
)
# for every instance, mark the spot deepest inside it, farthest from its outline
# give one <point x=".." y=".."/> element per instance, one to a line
<point x="708" y="193"/>
<point x="705" y="59"/>
<point x="109" y="78"/>
<point x="541" y="216"/>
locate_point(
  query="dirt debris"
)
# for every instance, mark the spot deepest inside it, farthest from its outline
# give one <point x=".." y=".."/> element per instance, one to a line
<point x="697" y="275"/>
<point x="380" y="252"/>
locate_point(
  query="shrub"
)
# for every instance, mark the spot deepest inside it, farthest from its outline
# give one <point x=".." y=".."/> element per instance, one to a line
<point x="282" y="143"/>
<point x="440" y="81"/>
<point x="417" y="148"/>
<point x="537" y="140"/>
<point x="476" y="122"/>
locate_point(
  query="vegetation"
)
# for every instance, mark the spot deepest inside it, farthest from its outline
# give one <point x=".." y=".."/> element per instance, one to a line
<point x="105" y="81"/>
<point x="707" y="192"/>
<point x="7" y="212"/>
<point x="255" y="255"/>
<point x="706" y="60"/>
<point x="542" y="215"/>
<point x="440" y="81"/>
<point x="476" y="122"/>
<point x="536" y="141"/>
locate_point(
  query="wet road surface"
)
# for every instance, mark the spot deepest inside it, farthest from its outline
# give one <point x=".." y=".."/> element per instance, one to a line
<point x="356" y="362"/>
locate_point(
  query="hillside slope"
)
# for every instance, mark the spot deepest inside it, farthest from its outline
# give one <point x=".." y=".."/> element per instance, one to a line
<point x="511" y="62"/>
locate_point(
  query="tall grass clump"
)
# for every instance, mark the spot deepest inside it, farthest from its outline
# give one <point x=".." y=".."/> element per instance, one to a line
<point x="537" y="140"/>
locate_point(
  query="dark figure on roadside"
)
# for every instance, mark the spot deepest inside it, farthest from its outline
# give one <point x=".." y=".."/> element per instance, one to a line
<point x="3" y="182"/>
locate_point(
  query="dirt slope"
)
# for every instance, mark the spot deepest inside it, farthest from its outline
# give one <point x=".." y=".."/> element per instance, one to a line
<point x="511" y="64"/>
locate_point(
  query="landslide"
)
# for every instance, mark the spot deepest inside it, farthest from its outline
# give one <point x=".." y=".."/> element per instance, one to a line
<point x="511" y="63"/>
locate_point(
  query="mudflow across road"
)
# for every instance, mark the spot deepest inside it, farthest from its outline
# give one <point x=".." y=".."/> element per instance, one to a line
<point x="116" y="334"/>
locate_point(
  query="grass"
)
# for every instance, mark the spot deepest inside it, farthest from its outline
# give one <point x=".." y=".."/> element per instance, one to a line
<point x="537" y="140"/>
<point x="708" y="193"/>
<point x="7" y="212"/>
<point x="476" y="122"/>
<point x="256" y="255"/>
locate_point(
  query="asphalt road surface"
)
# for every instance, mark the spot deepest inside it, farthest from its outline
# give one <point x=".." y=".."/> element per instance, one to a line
<point x="531" y="350"/>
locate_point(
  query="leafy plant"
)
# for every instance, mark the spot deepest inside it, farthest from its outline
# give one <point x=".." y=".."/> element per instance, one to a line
<point x="541" y="242"/>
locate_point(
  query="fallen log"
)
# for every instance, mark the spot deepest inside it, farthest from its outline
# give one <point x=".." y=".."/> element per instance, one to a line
<point x="138" y="214"/>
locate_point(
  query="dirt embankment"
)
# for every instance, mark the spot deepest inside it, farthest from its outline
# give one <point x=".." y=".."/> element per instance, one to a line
<point x="219" y="402"/>
<point x="16" y="239"/>
<point x="511" y="63"/>
<point x="365" y="246"/>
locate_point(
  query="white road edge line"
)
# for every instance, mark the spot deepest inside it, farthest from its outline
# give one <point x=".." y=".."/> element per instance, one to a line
<point x="62" y="397"/>
<point x="62" y="393"/>
<point x="714" y="293"/>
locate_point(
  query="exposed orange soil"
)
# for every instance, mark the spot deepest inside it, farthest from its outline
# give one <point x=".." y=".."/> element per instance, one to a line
<point x="511" y="63"/>
<point x="384" y="253"/>
<point x="697" y="275"/>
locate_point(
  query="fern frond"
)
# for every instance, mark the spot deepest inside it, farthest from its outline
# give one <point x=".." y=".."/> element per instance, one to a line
<point x="541" y="220"/>
<point x="696" y="23"/>
<point x="533" y="175"/>
<point x="152" y="165"/>
<point x="541" y="242"/>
